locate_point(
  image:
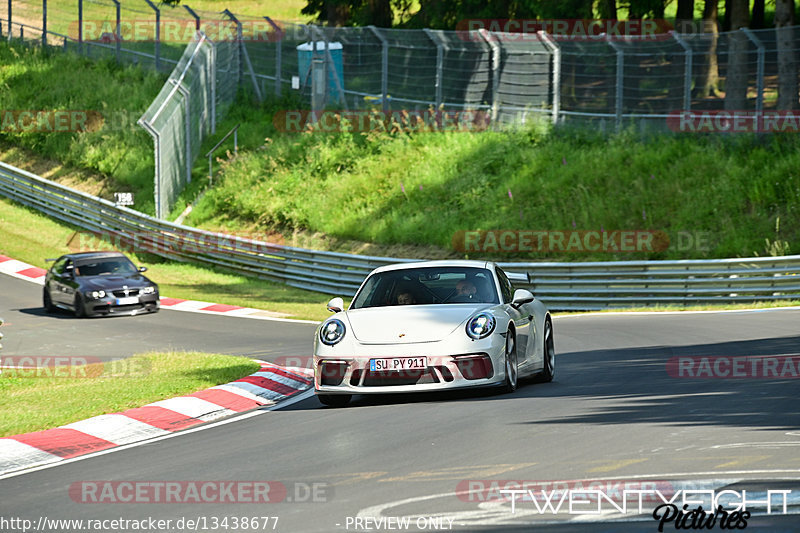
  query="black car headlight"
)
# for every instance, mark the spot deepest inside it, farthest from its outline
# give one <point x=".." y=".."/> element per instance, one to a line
<point x="95" y="294"/>
<point x="150" y="289"/>
<point x="480" y="326"/>
<point x="332" y="332"/>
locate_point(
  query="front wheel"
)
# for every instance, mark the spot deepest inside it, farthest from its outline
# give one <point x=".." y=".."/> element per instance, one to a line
<point x="510" y="384"/>
<point x="334" y="400"/>
<point x="80" y="308"/>
<point x="47" y="302"/>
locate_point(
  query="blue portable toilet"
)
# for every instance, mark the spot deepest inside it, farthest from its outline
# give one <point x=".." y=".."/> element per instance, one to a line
<point x="305" y="53"/>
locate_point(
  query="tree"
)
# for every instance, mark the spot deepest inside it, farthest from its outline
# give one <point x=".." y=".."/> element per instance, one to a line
<point x="685" y="14"/>
<point x="607" y="9"/>
<point x="757" y="19"/>
<point x="353" y="12"/>
<point x="736" y="80"/>
<point x="787" y="66"/>
<point x="708" y="82"/>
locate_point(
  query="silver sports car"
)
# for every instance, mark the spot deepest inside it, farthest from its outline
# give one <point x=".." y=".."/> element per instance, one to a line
<point x="432" y="325"/>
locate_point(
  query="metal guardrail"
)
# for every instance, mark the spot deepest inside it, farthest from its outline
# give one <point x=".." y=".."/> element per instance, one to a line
<point x="562" y="286"/>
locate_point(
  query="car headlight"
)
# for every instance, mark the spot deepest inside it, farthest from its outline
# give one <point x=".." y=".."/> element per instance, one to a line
<point x="95" y="294"/>
<point x="332" y="332"/>
<point x="481" y="326"/>
<point x="149" y="290"/>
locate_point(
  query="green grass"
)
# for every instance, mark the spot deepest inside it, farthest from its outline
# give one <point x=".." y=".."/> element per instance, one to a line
<point x="32" y="237"/>
<point x="423" y="188"/>
<point x="112" y="147"/>
<point x="27" y="396"/>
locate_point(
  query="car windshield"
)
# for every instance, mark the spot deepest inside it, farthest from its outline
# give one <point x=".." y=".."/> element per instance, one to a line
<point x="105" y="267"/>
<point x="427" y="285"/>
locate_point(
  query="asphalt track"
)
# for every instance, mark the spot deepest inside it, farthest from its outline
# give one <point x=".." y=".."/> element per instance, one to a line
<point x="613" y="413"/>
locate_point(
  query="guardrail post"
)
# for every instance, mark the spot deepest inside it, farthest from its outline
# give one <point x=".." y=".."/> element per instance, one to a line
<point x="157" y="44"/>
<point x="687" y="78"/>
<point x="550" y="43"/>
<point x="619" y="80"/>
<point x="44" y="23"/>
<point x="759" y="69"/>
<point x="278" y="55"/>
<point x="439" y="65"/>
<point x="384" y="68"/>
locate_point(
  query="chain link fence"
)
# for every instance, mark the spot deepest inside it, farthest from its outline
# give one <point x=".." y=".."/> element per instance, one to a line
<point x="201" y="87"/>
<point x="605" y="83"/>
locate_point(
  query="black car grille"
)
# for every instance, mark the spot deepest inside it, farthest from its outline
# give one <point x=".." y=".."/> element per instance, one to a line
<point x="123" y="293"/>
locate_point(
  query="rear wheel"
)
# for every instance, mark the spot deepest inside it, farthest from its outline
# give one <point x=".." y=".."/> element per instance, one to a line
<point x="334" y="400"/>
<point x="549" y="353"/>
<point x="47" y="303"/>
<point x="510" y="384"/>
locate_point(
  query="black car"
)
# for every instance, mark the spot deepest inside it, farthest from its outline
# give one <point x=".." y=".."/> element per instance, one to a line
<point x="99" y="283"/>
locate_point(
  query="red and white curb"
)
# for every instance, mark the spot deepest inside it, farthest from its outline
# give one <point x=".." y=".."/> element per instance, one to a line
<point x="266" y="387"/>
<point x="27" y="272"/>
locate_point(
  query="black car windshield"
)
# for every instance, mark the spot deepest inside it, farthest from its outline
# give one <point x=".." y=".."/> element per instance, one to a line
<point x="107" y="266"/>
<point x="427" y="285"/>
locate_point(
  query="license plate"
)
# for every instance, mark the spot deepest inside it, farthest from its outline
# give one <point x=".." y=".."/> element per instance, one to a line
<point x="397" y="364"/>
<point x="130" y="300"/>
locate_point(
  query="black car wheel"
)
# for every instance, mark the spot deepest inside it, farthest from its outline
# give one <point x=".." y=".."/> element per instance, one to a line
<point x="47" y="302"/>
<point x="510" y="384"/>
<point x="80" y="308"/>
<point x="334" y="400"/>
<point x="549" y="353"/>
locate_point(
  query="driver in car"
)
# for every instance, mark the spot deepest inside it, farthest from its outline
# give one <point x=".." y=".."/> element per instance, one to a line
<point x="466" y="288"/>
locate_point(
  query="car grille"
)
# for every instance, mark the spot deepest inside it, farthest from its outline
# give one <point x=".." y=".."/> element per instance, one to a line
<point x="121" y="293"/>
<point x="405" y="377"/>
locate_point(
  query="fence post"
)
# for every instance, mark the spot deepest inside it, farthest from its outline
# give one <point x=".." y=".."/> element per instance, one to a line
<point x="495" y="71"/>
<point x="212" y="77"/>
<point x="186" y="129"/>
<point x="687" y="78"/>
<point x="759" y="69"/>
<point x="117" y="30"/>
<point x="194" y="15"/>
<point x="44" y="24"/>
<point x="243" y="52"/>
<point x="158" y="33"/>
<point x="278" y="56"/>
<point x="9" y="20"/>
<point x="550" y="43"/>
<point x="80" y="24"/>
<point x="439" y="65"/>
<point x="619" y="80"/>
<point x="384" y="68"/>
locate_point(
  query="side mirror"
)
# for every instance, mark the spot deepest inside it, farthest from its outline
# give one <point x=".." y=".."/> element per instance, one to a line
<point x="142" y="269"/>
<point x="521" y="297"/>
<point x="336" y="305"/>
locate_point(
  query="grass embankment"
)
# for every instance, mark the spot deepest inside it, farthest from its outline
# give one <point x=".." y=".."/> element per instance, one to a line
<point x="113" y="147"/>
<point x="423" y="188"/>
<point x="398" y="189"/>
<point x="37" y="399"/>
